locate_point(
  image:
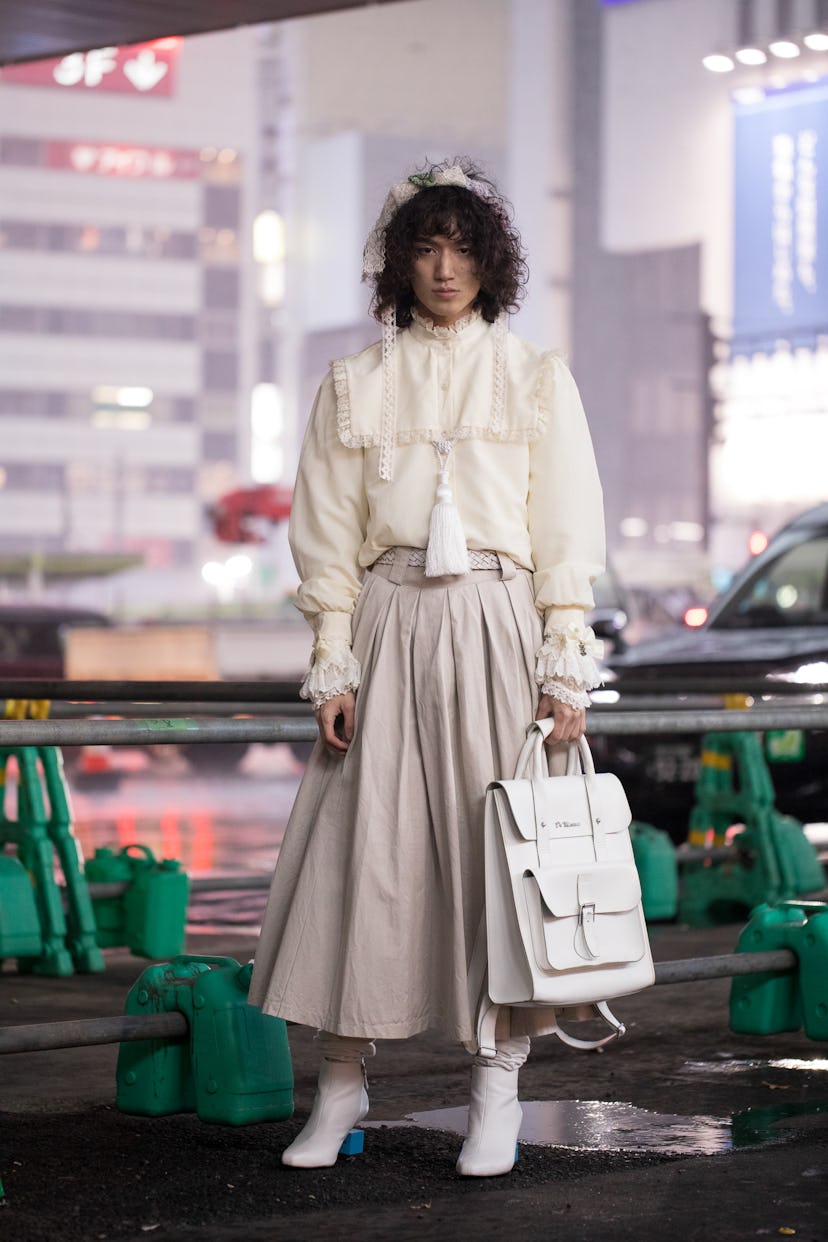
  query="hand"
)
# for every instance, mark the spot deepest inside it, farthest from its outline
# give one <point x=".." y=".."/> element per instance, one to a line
<point x="570" y="722"/>
<point x="337" y="737"/>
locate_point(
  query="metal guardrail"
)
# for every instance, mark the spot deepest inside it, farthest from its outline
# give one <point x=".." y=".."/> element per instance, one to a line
<point x="266" y="691"/>
<point x="58" y="689"/>
<point x="165" y="730"/>
<point x="203" y="884"/>
<point x="84" y="1032"/>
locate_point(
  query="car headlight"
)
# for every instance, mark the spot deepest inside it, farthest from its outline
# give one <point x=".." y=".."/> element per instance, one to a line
<point x="814" y="674"/>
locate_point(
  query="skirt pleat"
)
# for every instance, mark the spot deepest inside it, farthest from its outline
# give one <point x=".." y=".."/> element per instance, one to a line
<point x="378" y="890"/>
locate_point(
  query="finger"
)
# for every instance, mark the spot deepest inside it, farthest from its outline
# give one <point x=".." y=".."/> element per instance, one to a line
<point x="348" y="719"/>
<point x="327" y="722"/>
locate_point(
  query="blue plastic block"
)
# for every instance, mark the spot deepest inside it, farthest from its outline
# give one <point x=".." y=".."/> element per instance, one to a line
<point x="353" y="1144"/>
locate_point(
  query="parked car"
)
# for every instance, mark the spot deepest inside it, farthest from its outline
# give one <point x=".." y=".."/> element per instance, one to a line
<point x="624" y="615"/>
<point x="769" y="626"/>
<point x="33" y="636"/>
<point x="55" y="642"/>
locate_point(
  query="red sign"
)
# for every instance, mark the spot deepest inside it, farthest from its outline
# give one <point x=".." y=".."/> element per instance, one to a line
<point x="145" y="69"/>
<point x="110" y="159"/>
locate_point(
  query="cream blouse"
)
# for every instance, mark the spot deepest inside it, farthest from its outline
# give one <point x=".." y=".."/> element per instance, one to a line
<point x="522" y="472"/>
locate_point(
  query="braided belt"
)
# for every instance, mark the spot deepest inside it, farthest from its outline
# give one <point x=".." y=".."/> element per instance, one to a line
<point x="478" y="559"/>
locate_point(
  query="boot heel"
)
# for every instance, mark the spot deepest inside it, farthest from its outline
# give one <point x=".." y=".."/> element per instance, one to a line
<point x="341" y="1102"/>
<point x="353" y="1144"/>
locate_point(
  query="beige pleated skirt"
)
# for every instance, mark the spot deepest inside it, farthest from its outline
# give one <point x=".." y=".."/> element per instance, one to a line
<point x="378" y="891"/>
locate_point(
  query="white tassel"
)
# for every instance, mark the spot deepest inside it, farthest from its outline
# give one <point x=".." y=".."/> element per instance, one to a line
<point x="446" y="552"/>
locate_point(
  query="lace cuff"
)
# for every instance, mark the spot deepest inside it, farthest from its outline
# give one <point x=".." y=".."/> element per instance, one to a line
<point x="334" y="670"/>
<point x="567" y="658"/>
<point x="568" y="692"/>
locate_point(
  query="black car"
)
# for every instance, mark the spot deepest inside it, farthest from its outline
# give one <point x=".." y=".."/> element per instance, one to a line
<point x="32" y="637"/>
<point x="768" y="630"/>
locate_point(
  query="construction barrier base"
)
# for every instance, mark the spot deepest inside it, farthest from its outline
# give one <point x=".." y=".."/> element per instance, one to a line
<point x="768" y="1003"/>
<point x="236" y="1067"/>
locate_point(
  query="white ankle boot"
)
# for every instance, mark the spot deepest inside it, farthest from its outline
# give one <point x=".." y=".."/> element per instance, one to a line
<point x="341" y="1101"/>
<point x="494" y="1123"/>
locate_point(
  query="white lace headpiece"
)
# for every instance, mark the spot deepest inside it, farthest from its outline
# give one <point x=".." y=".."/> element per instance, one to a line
<point x="373" y="262"/>
<point x="373" y="256"/>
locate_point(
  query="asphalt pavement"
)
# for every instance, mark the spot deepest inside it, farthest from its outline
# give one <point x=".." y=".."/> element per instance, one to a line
<point x="682" y="1130"/>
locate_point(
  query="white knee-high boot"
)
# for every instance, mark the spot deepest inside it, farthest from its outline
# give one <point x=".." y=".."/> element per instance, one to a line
<point x="494" y="1123"/>
<point x="341" y="1101"/>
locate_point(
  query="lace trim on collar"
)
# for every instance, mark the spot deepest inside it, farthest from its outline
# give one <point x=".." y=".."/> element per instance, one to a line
<point x="454" y="329"/>
<point x="388" y="435"/>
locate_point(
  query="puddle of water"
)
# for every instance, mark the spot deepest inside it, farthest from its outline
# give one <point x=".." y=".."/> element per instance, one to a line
<point x="595" y="1125"/>
<point x="808" y="1064"/>
<point x="767" y="1125"/>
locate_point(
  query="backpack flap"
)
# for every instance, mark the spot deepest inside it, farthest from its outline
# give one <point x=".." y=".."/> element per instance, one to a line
<point x="568" y="822"/>
<point x="583" y="916"/>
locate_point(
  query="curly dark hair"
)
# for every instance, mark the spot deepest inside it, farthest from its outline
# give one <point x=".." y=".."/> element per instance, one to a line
<point x="483" y="220"/>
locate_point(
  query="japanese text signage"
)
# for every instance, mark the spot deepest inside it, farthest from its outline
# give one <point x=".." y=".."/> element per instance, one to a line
<point x="781" y="218"/>
<point x="146" y="69"/>
<point x="110" y="159"/>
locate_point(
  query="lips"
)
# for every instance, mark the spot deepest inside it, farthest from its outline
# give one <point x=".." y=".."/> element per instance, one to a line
<point x="446" y="293"/>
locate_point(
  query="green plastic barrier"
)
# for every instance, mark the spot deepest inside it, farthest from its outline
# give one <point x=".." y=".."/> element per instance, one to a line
<point x="657" y="864"/>
<point x="775" y="860"/>
<point x="19" y="924"/>
<point x="155" y="1077"/>
<point x="799" y="865"/>
<point x="241" y="1059"/>
<point x="150" y="917"/>
<point x="67" y="941"/>
<point x="769" y="1003"/>
<point x="236" y="1067"/>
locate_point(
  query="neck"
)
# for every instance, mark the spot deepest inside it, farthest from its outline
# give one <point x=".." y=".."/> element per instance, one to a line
<point x="441" y="321"/>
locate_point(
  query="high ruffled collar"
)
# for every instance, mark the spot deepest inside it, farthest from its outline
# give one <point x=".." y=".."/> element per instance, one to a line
<point x="465" y="329"/>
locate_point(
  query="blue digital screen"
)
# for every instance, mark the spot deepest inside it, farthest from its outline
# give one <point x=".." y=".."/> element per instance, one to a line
<point x="780" y="279"/>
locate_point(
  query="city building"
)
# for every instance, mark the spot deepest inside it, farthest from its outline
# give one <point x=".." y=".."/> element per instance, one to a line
<point x="180" y="236"/>
<point x="126" y="342"/>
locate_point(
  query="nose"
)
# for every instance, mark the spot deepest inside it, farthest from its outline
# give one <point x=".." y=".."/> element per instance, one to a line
<point x="445" y="265"/>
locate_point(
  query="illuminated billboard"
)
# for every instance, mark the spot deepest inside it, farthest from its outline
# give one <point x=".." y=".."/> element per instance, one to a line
<point x="781" y="218"/>
<point x="145" y="69"/>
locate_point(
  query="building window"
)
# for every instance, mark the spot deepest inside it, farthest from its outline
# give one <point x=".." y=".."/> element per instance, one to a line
<point x="16" y="403"/>
<point x="220" y="370"/>
<point x="221" y="206"/>
<point x="219" y="329"/>
<point x="39" y="476"/>
<point x="219" y="446"/>
<point x="134" y="241"/>
<point x="221" y="288"/>
<point x="72" y="321"/>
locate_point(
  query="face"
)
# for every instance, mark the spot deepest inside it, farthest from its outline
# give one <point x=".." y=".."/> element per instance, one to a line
<point x="444" y="278"/>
